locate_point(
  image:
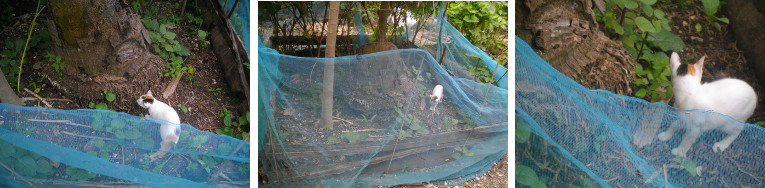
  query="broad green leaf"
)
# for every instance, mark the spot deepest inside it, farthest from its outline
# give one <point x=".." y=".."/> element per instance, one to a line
<point x="102" y="106"/>
<point x="724" y="20"/>
<point x="538" y="184"/>
<point x="525" y="175"/>
<point x="717" y="26"/>
<point x="522" y="133"/>
<point x="666" y="41"/>
<point x="710" y="6"/>
<point x="648" y="2"/>
<point x="641" y="93"/>
<point x="43" y="166"/>
<point x="162" y="29"/>
<point x="647" y="10"/>
<point x="456" y="155"/>
<point x="109" y="96"/>
<point x="690" y="167"/>
<point x="644" y="24"/>
<point x="471" y="18"/>
<point x="658" y="13"/>
<point x="197" y="141"/>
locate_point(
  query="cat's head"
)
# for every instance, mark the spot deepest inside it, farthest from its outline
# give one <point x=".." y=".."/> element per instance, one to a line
<point x="146" y="100"/>
<point x="686" y="74"/>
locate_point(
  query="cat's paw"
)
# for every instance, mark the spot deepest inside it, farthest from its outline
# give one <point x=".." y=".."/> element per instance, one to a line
<point x="664" y="136"/>
<point x="719" y="147"/>
<point x="679" y="152"/>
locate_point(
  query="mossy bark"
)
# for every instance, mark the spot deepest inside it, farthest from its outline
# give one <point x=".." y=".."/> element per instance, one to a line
<point x="105" y="47"/>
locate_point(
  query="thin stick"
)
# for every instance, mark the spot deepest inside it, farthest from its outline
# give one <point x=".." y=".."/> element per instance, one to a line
<point x="363" y="130"/>
<point x="14" y="173"/>
<point x="58" y="121"/>
<point x="25" y="99"/>
<point x="38" y="97"/>
<point x="86" y="136"/>
<point x="343" y="120"/>
<point x="665" y="175"/>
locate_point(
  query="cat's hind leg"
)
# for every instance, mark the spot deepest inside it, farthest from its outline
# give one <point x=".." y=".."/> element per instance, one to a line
<point x="733" y="132"/>
<point x="690" y="137"/>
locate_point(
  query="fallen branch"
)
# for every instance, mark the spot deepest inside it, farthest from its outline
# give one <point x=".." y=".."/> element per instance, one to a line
<point x="25" y="99"/>
<point x="38" y="97"/>
<point x="362" y="130"/>
<point x="343" y="120"/>
<point x="85" y="136"/>
<point x="58" y="121"/>
<point x="170" y="89"/>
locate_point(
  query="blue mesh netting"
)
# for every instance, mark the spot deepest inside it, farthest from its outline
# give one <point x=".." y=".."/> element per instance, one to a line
<point x="42" y="147"/>
<point x="594" y="137"/>
<point x="240" y="19"/>
<point x="385" y="129"/>
<point x="432" y="33"/>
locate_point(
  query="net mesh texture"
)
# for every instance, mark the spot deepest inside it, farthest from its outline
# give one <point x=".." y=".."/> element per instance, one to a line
<point x="567" y="135"/>
<point x="50" y="147"/>
<point x="387" y="130"/>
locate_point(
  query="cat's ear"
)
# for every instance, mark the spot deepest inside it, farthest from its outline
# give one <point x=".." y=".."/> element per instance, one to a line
<point x="674" y="63"/>
<point x="149" y="93"/>
<point x="699" y="66"/>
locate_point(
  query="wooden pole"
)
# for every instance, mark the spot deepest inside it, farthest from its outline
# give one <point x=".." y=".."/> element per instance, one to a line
<point x="329" y="67"/>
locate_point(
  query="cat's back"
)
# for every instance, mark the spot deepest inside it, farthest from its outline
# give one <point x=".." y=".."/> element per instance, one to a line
<point x="732" y="97"/>
<point x="163" y="111"/>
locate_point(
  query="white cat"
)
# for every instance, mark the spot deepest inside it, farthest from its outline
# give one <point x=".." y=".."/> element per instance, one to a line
<point x="170" y="132"/>
<point x="728" y="96"/>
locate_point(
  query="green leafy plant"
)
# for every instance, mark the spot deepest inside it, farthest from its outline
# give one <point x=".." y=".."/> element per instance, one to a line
<point x="522" y="133"/>
<point x="354" y="137"/>
<point x="190" y="76"/>
<point x="405" y="166"/>
<point x="138" y="5"/>
<point x="57" y="64"/>
<point x="202" y="37"/>
<point x="10" y="65"/>
<point x="711" y="7"/>
<point x="598" y="143"/>
<point x="687" y="164"/>
<point x="484" y="23"/>
<point x="641" y="28"/>
<point x="183" y="108"/>
<point x="462" y="151"/>
<point x="231" y="127"/>
<point x="168" y="48"/>
<point x="524" y="175"/>
<point x="109" y="95"/>
<point x="214" y="91"/>
<point x="410" y="125"/>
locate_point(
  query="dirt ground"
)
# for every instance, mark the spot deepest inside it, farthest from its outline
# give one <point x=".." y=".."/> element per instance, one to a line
<point x="204" y="106"/>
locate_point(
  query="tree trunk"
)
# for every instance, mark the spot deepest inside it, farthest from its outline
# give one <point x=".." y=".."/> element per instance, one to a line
<point x="329" y="67"/>
<point x="382" y="21"/>
<point x="105" y="47"/>
<point x="747" y="21"/>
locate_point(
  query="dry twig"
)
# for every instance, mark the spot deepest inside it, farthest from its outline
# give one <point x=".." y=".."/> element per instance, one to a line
<point x="38" y="97"/>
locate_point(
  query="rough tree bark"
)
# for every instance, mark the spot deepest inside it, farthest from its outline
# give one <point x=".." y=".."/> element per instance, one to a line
<point x="565" y="34"/>
<point x="747" y="20"/>
<point x="105" y="47"/>
<point x="329" y="67"/>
